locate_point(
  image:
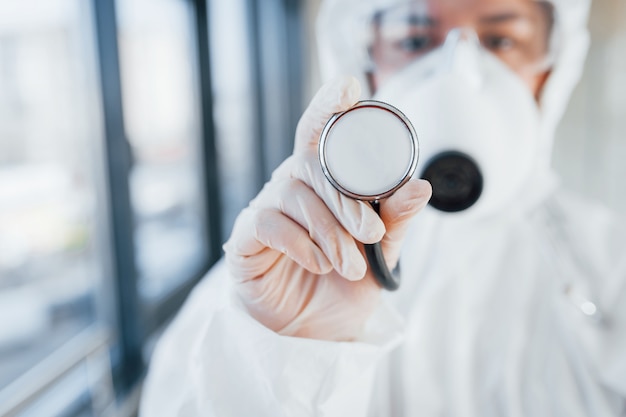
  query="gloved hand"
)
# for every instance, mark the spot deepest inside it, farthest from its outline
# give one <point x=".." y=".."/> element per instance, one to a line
<point x="295" y="251"/>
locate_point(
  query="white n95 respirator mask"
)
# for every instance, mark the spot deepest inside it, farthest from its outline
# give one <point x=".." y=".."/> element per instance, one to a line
<point x="478" y="125"/>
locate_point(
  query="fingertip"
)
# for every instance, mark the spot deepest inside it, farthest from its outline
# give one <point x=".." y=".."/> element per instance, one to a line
<point x="425" y="187"/>
<point x="355" y="269"/>
<point x="351" y="91"/>
<point x="325" y="269"/>
<point x="425" y="192"/>
<point x="231" y="247"/>
<point x="407" y="201"/>
<point x="355" y="273"/>
<point x="322" y="264"/>
<point x="346" y="91"/>
<point x="414" y="192"/>
<point x="372" y="227"/>
<point x="374" y="233"/>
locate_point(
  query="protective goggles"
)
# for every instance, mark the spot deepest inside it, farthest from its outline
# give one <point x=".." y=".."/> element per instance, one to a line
<point x="521" y="37"/>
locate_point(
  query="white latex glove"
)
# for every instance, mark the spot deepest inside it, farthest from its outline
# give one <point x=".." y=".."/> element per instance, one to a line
<point x="295" y="252"/>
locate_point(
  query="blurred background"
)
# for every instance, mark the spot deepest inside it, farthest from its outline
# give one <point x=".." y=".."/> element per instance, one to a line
<point x="132" y="132"/>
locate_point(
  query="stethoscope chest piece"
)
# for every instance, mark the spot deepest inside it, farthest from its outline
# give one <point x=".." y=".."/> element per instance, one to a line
<point x="368" y="152"/>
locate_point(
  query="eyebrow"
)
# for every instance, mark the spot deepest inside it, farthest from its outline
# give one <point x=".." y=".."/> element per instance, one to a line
<point x="412" y="19"/>
<point x="502" y="18"/>
<point x="420" y="20"/>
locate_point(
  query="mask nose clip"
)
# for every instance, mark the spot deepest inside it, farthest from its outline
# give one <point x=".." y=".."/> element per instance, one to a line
<point x="462" y="56"/>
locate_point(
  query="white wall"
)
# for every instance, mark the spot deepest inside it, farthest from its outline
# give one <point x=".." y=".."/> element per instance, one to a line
<point x="590" y="151"/>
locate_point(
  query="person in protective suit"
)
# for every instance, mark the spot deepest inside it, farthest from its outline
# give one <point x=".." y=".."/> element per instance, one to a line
<point x="513" y="295"/>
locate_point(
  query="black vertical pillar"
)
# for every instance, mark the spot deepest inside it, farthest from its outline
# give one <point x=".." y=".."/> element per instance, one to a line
<point x="209" y="149"/>
<point x="121" y="218"/>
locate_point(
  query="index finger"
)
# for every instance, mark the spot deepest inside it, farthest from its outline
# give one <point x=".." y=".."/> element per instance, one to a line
<point x="336" y="96"/>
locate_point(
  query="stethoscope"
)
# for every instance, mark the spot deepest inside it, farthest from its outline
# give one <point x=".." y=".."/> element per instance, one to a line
<point x="367" y="153"/>
<point x="371" y="150"/>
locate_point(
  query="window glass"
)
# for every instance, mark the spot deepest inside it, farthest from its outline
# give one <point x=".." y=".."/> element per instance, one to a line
<point x="233" y="107"/>
<point x="162" y="116"/>
<point x="50" y="261"/>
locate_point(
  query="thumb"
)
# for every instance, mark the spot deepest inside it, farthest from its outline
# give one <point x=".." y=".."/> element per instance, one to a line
<point x="335" y="96"/>
<point x="397" y="211"/>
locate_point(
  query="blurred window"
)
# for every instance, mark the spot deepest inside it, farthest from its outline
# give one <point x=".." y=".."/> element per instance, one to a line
<point x="51" y="257"/>
<point x="160" y="88"/>
<point x="110" y="209"/>
<point x="257" y="51"/>
<point x="240" y="154"/>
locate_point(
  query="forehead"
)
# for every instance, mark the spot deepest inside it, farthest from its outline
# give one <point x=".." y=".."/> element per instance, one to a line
<point x="468" y="9"/>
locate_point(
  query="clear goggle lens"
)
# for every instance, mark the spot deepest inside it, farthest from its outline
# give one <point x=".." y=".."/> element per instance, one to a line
<point x="519" y="38"/>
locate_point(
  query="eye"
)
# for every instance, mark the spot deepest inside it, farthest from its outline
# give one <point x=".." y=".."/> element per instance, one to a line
<point x="498" y="43"/>
<point x="415" y="43"/>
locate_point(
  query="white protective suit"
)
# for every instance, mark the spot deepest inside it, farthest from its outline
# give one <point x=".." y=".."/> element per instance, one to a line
<point x="520" y="314"/>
